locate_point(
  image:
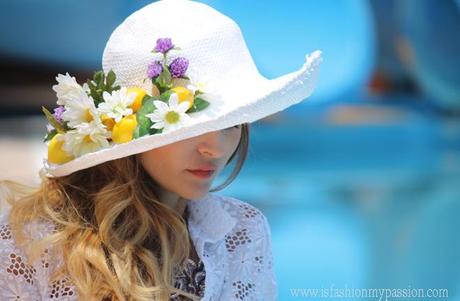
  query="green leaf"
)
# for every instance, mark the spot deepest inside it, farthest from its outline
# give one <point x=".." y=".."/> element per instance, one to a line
<point x="98" y="77"/>
<point x="164" y="79"/>
<point x="147" y="108"/>
<point x="140" y="131"/>
<point x="101" y="83"/>
<point x="185" y="77"/>
<point x="198" y="105"/>
<point x="66" y="126"/>
<point x="136" y="133"/>
<point x="110" y="79"/>
<point x="50" y="135"/>
<point x="53" y="120"/>
<point x="90" y="84"/>
<point x="148" y="98"/>
<point x="154" y="131"/>
<point x="165" y="96"/>
<point x="144" y="123"/>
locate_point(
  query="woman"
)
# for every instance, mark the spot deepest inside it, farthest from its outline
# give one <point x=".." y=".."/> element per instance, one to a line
<point x="124" y="209"/>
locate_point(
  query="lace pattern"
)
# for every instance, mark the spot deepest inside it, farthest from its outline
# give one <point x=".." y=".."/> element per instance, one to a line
<point x="232" y="239"/>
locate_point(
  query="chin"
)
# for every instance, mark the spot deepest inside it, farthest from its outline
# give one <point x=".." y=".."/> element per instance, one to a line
<point x="195" y="196"/>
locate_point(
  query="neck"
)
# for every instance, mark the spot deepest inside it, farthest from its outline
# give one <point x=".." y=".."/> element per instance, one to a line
<point x="174" y="201"/>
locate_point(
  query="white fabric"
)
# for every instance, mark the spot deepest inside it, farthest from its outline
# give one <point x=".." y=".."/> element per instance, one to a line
<point x="218" y="56"/>
<point x="231" y="237"/>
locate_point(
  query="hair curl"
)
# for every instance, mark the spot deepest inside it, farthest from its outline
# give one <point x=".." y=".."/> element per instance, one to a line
<point x="118" y="241"/>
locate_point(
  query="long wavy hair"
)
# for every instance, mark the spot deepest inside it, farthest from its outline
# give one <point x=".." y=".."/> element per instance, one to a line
<point x="118" y="241"/>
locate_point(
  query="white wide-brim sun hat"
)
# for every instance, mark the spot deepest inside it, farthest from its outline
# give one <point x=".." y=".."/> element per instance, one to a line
<point x="218" y="57"/>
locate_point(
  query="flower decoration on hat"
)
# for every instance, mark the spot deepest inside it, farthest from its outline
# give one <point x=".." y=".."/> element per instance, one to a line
<point x="100" y="114"/>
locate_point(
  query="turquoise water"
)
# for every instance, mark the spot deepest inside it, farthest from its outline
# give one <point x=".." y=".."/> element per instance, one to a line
<point x="359" y="205"/>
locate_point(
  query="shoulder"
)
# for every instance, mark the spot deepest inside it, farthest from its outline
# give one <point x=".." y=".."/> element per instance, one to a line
<point x="19" y="276"/>
<point x="251" y="225"/>
<point x="250" y="253"/>
<point x="242" y="211"/>
<point x="251" y="230"/>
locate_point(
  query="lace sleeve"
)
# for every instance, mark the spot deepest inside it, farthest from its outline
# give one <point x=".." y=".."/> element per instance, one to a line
<point x="249" y="246"/>
<point x="17" y="277"/>
<point x="20" y="280"/>
<point x="269" y="290"/>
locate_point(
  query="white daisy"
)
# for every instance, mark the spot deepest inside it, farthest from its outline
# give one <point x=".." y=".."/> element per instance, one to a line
<point x="67" y="87"/>
<point x="80" y="108"/>
<point x="86" y="138"/>
<point x="169" y="117"/>
<point x="197" y="86"/>
<point x="116" y="105"/>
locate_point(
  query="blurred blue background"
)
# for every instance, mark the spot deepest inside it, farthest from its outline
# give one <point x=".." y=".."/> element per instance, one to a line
<point x="360" y="183"/>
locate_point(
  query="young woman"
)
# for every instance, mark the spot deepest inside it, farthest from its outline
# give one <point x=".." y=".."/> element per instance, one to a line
<point x="125" y="210"/>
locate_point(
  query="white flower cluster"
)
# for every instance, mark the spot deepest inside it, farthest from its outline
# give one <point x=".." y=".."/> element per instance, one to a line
<point x="82" y="125"/>
<point x="88" y="133"/>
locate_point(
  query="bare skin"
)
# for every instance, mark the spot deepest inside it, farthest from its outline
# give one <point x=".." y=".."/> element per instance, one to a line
<point x="168" y="165"/>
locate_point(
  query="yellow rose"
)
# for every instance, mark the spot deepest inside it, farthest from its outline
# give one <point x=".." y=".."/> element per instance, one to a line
<point x="140" y="93"/>
<point x="184" y="94"/>
<point x="107" y="121"/>
<point x="56" y="154"/>
<point x="123" y="130"/>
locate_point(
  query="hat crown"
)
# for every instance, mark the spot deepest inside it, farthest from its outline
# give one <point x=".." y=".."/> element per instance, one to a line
<point x="212" y="42"/>
<point x="218" y="61"/>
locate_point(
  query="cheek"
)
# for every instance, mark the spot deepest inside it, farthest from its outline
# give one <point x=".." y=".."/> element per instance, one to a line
<point x="163" y="164"/>
<point x="168" y="170"/>
<point x="156" y="163"/>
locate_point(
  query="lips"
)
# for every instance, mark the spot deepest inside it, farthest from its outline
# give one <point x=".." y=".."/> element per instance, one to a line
<point x="206" y="167"/>
<point x="201" y="173"/>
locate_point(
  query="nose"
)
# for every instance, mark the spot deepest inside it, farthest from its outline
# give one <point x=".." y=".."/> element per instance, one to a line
<point x="212" y="144"/>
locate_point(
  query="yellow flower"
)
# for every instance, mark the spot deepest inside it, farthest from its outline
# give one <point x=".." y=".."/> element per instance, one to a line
<point x="140" y="93"/>
<point x="56" y="154"/>
<point x="184" y="94"/>
<point x="107" y="121"/>
<point x="123" y="130"/>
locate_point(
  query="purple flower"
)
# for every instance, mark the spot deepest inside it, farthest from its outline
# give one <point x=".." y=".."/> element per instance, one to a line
<point x="58" y="113"/>
<point x="154" y="69"/>
<point x="163" y="45"/>
<point x="178" y="67"/>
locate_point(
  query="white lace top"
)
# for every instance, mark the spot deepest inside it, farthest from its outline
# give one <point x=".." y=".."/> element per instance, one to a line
<point x="231" y="237"/>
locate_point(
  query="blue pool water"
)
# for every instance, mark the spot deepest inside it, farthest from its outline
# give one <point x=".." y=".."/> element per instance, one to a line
<point x="358" y="205"/>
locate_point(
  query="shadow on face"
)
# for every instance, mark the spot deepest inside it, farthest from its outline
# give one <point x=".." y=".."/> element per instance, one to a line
<point x="170" y="165"/>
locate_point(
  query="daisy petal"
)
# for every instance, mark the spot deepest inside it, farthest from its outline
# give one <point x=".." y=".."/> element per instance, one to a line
<point x="158" y="125"/>
<point x="173" y="100"/>
<point x="183" y="106"/>
<point x="106" y="95"/>
<point x="160" y="105"/>
<point x="155" y="117"/>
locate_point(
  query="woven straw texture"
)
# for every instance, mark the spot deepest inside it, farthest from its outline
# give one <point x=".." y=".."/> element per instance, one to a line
<point x="218" y="57"/>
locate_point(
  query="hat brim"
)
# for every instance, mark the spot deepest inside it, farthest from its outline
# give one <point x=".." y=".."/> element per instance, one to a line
<point x="276" y="95"/>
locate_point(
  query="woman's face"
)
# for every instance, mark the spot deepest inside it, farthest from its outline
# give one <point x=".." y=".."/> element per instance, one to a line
<point x="170" y="165"/>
